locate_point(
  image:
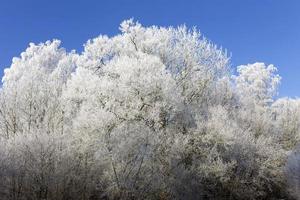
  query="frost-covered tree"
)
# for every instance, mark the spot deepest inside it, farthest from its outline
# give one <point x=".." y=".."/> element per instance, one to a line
<point x="256" y="85"/>
<point x="257" y="82"/>
<point x="286" y="114"/>
<point x="151" y="113"/>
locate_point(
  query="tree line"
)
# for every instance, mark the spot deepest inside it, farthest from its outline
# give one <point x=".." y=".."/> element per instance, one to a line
<point x="151" y="113"/>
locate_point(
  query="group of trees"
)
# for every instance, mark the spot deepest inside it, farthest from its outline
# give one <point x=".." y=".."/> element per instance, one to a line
<point x="151" y="113"/>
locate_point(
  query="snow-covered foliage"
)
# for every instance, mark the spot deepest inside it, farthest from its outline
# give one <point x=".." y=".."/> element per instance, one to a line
<point x="151" y="113"/>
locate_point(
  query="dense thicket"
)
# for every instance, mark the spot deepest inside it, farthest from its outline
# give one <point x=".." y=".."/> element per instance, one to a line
<point x="151" y="113"/>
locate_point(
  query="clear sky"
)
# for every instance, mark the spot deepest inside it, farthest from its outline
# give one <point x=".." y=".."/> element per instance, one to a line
<point x="251" y="30"/>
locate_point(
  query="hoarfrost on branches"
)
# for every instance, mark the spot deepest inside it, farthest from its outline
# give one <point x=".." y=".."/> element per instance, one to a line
<point x="151" y="113"/>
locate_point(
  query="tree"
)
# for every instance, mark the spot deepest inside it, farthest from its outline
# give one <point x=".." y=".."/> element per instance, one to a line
<point x="257" y="82"/>
<point x="151" y="113"/>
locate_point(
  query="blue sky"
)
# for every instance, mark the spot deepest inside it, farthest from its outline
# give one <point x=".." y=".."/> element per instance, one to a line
<point x="251" y="30"/>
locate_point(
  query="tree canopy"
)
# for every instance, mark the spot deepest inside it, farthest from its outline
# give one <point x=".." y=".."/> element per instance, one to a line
<point x="151" y="113"/>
